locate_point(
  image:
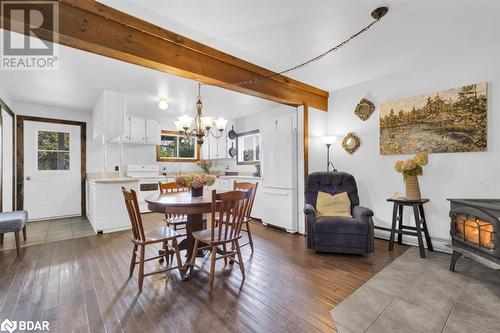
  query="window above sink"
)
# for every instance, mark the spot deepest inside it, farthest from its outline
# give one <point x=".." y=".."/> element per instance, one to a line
<point x="176" y="148"/>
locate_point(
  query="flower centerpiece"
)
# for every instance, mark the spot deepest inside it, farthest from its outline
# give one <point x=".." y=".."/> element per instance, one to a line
<point x="411" y="169"/>
<point x="205" y="165"/>
<point x="195" y="183"/>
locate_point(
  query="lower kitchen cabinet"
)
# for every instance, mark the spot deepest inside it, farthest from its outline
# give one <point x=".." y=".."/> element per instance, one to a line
<point x="106" y="207"/>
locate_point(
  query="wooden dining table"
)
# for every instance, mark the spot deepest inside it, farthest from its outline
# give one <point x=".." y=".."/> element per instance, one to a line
<point x="183" y="203"/>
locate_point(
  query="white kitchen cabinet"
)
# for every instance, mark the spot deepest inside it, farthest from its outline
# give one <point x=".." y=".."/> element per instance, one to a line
<point x="106" y="210"/>
<point x="218" y="148"/>
<point x="205" y="151"/>
<point x="108" y="116"/>
<point x="153" y="131"/>
<point x="137" y="129"/>
<point x="225" y="184"/>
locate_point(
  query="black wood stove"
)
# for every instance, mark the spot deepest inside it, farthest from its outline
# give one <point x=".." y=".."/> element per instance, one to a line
<point x="474" y="230"/>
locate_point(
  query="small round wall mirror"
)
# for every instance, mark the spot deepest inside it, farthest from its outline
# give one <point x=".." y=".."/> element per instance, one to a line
<point x="351" y="143"/>
<point x="364" y="109"/>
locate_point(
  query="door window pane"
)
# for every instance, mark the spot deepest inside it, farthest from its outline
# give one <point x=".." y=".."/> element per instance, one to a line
<point x="53" y="150"/>
<point x="53" y="160"/>
<point x="48" y="140"/>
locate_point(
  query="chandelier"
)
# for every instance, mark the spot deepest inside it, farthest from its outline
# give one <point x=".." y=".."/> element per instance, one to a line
<point x="202" y="126"/>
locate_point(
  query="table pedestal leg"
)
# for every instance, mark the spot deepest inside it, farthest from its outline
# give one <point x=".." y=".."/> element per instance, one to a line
<point x="194" y="223"/>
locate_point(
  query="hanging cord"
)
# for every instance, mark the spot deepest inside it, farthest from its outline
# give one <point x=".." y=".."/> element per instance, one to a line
<point x="377" y="14"/>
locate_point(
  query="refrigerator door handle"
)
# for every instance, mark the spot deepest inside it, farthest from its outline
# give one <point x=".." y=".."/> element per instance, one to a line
<point x="277" y="192"/>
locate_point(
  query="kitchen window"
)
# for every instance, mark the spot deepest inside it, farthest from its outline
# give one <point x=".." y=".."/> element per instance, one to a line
<point x="248" y="147"/>
<point x="176" y="148"/>
<point x="52" y="151"/>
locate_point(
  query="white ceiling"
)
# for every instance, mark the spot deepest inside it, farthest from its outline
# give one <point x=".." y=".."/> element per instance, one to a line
<point x="82" y="76"/>
<point x="275" y="34"/>
<point x="280" y="33"/>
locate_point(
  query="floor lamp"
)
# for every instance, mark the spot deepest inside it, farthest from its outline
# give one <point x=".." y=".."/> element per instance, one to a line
<point x="328" y="140"/>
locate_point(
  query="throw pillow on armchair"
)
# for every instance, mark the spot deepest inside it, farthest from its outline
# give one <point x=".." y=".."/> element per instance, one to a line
<point x="333" y="204"/>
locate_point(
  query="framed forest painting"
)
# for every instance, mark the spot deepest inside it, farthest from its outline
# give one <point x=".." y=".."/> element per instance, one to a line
<point x="447" y="121"/>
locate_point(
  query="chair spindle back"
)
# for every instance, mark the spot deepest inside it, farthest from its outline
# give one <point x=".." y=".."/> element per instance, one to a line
<point x="246" y="186"/>
<point x="134" y="214"/>
<point x="171" y="187"/>
<point x="228" y="213"/>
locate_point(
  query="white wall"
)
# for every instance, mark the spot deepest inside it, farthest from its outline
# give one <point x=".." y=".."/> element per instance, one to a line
<point x="8" y="172"/>
<point x="6" y="98"/>
<point x="318" y="127"/>
<point x="452" y="175"/>
<point x="8" y="154"/>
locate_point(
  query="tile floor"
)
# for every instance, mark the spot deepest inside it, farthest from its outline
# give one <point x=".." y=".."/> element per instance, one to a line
<point x="40" y="232"/>
<point x="422" y="295"/>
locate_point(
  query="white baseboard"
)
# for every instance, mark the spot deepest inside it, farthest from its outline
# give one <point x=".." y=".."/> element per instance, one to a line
<point x="439" y="244"/>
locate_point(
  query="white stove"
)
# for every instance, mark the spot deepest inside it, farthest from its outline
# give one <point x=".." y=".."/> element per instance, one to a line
<point x="149" y="178"/>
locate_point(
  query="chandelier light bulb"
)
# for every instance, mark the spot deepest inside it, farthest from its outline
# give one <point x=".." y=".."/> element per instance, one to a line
<point x="163" y="104"/>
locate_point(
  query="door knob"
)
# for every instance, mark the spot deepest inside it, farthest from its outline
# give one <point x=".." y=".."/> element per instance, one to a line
<point x="28" y="178"/>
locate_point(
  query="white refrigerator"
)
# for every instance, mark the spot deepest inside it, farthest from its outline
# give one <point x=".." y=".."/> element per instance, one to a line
<point x="279" y="177"/>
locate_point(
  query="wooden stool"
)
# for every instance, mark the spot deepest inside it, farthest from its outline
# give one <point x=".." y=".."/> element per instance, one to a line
<point x="420" y="223"/>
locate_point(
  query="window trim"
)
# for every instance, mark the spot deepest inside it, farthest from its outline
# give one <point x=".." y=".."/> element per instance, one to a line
<point x="176" y="159"/>
<point x="238" y="148"/>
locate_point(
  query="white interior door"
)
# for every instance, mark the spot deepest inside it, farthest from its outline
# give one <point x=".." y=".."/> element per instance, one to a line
<point x="52" y="156"/>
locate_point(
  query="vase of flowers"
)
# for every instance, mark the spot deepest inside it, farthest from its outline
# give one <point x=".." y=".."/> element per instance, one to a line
<point x="205" y="165"/>
<point x="411" y="169"/>
<point x="195" y="183"/>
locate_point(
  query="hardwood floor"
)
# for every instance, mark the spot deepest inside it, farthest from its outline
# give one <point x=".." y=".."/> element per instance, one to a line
<point x="82" y="285"/>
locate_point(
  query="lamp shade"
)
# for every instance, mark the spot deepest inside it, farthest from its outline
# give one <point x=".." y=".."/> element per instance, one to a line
<point x="178" y="126"/>
<point x="207" y="122"/>
<point x="220" y="123"/>
<point x="185" y="121"/>
<point x="329" y="139"/>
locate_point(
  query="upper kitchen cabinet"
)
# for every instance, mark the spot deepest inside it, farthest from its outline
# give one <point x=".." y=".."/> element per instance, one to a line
<point x="153" y="131"/>
<point x="217" y="148"/>
<point x="108" y="116"/>
<point x="136" y="129"/>
<point x="139" y="129"/>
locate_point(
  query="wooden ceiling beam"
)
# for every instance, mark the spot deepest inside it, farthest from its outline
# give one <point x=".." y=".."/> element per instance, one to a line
<point x="96" y="28"/>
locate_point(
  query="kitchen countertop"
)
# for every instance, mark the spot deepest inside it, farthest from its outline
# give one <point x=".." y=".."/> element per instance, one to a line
<point x="223" y="176"/>
<point x="239" y="177"/>
<point x="109" y="177"/>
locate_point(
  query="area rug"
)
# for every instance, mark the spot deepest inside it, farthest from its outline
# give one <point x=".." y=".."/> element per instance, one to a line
<point x="422" y="295"/>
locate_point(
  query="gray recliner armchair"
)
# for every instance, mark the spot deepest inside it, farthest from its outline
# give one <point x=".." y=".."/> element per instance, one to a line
<point x="337" y="234"/>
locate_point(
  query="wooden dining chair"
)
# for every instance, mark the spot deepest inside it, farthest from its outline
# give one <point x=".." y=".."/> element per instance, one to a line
<point x="245" y="186"/>
<point x="141" y="239"/>
<point x="228" y="213"/>
<point x="176" y="221"/>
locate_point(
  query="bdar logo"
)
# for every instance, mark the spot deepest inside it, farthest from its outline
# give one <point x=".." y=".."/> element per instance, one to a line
<point x="8" y="325"/>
